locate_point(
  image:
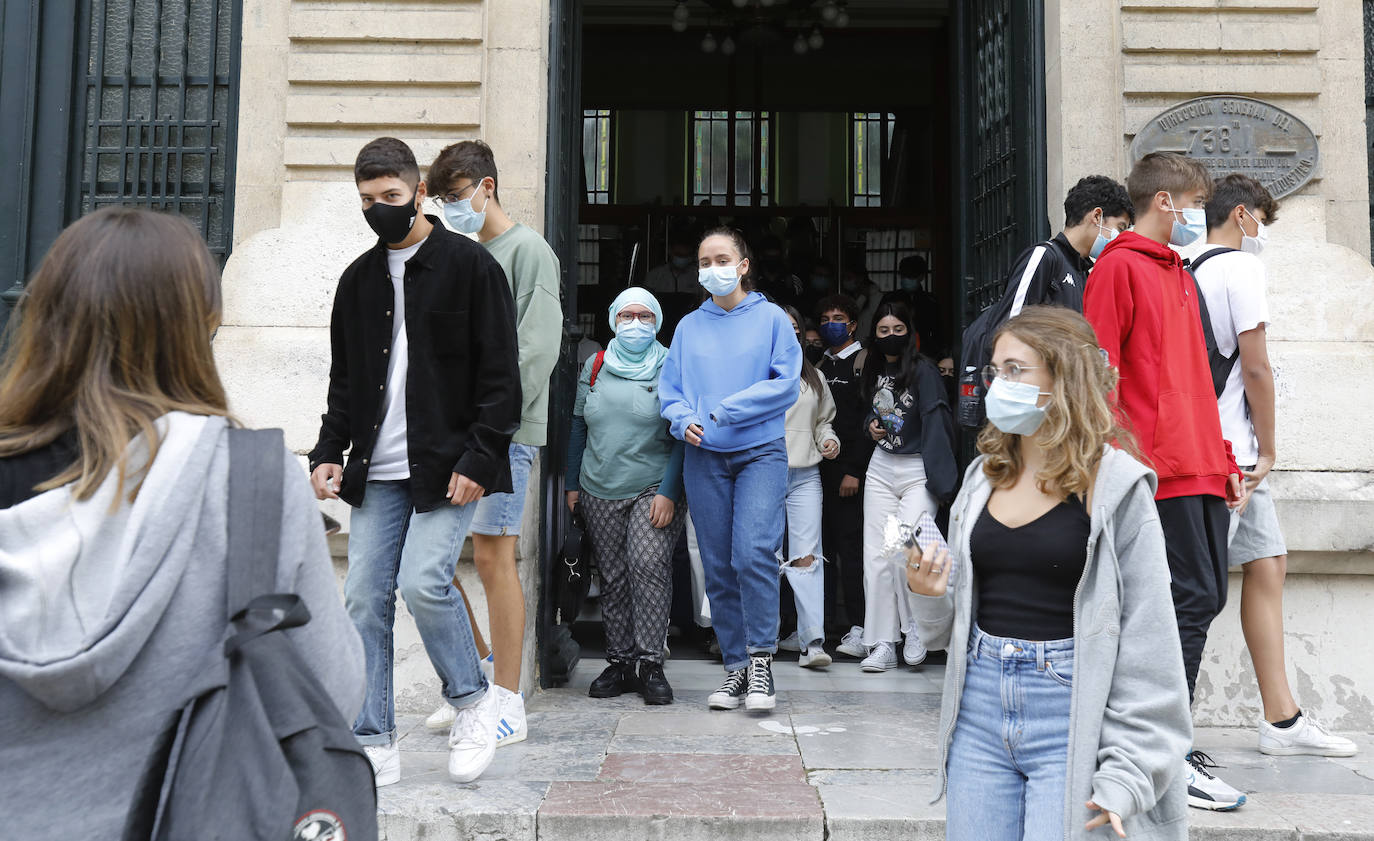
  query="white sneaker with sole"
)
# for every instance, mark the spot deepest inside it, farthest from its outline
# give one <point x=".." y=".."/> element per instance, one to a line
<point x="913" y="650"/>
<point x="790" y="643"/>
<point x="731" y="693"/>
<point x="443" y="715"/>
<point x="472" y="741"/>
<point x="1306" y="736"/>
<point x="1205" y="791"/>
<point x="814" y="657"/>
<point x="386" y="763"/>
<point x="511" y="727"/>
<point x="883" y="658"/>
<point x="852" y="644"/>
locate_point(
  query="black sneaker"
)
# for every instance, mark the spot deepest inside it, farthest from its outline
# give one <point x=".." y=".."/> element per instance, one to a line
<point x="653" y="685"/>
<point x="761" y="695"/>
<point x="617" y="679"/>
<point x="731" y="693"/>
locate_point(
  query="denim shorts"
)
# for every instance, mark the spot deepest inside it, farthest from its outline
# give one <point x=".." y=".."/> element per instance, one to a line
<point x="1256" y="534"/>
<point x="499" y="515"/>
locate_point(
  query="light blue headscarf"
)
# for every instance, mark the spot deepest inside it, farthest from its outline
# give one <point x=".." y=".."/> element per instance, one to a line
<point x="628" y="365"/>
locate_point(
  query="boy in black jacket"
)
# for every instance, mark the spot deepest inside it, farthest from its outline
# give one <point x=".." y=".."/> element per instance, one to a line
<point x="424" y="391"/>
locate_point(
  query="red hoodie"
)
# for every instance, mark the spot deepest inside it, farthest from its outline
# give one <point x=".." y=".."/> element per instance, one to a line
<point x="1143" y="304"/>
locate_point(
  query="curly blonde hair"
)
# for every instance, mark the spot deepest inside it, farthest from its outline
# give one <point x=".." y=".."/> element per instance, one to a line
<point x="1079" y="419"/>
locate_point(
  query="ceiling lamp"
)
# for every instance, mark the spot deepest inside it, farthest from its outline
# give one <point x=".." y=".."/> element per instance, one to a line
<point x="830" y="11"/>
<point x="817" y="40"/>
<point x="727" y="47"/>
<point x="681" y="12"/>
<point x="708" y="43"/>
<point x="799" y="46"/>
<point x="842" y="15"/>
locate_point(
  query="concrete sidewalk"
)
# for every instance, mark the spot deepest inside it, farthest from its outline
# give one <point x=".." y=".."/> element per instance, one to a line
<point x="846" y="756"/>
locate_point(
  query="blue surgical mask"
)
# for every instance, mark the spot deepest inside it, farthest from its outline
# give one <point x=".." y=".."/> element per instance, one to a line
<point x="463" y="218"/>
<point x="635" y="336"/>
<point x="1193" y="226"/>
<point x="834" y="333"/>
<point x="910" y="284"/>
<point x="719" y="280"/>
<point x="1104" y="236"/>
<point x="1011" y="406"/>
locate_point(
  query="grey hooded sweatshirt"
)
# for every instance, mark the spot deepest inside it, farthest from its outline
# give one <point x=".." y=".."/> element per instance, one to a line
<point x="1130" y="726"/>
<point x="107" y="618"/>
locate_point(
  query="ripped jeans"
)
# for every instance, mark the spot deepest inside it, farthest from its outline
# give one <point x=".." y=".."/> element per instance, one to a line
<point x="803" y="538"/>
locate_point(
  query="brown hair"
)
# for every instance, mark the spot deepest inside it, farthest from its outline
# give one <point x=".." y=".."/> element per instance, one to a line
<point x="809" y="374"/>
<point x="1164" y="172"/>
<point x="386" y="157"/>
<point x="466" y="159"/>
<point x="1239" y="189"/>
<point x="746" y="280"/>
<point x="113" y="332"/>
<point x="1079" y="421"/>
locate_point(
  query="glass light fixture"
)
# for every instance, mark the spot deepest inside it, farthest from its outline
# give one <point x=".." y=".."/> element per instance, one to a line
<point x="799" y="46"/>
<point x="708" y="43"/>
<point x="681" y="12"/>
<point x="679" y="25"/>
<point x="727" y="47"/>
<point x="830" y="11"/>
<point x="817" y="40"/>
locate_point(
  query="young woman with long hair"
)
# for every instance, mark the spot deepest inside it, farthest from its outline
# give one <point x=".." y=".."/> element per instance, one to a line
<point x="1065" y="706"/>
<point x="113" y="521"/>
<point x="731" y="375"/>
<point x="810" y="438"/>
<point x="912" y="471"/>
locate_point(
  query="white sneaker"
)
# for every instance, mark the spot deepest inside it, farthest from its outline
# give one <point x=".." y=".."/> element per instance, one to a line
<point x="472" y="741"/>
<point x="1306" y="736"/>
<point x="790" y="643"/>
<point x="814" y="658"/>
<point x="386" y="763"/>
<point x="853" y="643"/>
<point x="913" y="650"/>
<point x="1205" y="791"/>
<point x="882" y="658"/>
<point x="442" y="717"/>
<point x="511" y="727"/>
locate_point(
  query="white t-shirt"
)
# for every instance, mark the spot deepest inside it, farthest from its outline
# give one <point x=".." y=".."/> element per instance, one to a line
<point x="390" y="456"/>
<point x="1233" y="284"/>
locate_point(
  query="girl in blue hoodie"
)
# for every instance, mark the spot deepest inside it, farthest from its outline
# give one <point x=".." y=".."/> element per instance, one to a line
<point x="733" y="371"/>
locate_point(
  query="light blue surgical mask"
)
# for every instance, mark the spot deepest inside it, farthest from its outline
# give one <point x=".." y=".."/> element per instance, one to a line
<point x="463" y="219"/>
<point x="1193" y="226"/>
<point x="719" y="280"/>
<point x="635" y="336"/>
<point x="1011" y="406"/>
<point x="1104" y="236"/>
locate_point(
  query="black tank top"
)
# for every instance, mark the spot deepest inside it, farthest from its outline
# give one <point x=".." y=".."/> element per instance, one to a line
<point x="1026" y="576"/>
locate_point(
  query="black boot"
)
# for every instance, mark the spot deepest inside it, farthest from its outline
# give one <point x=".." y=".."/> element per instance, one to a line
<point x="617" y="679"/>
<point x="653" y="685"/>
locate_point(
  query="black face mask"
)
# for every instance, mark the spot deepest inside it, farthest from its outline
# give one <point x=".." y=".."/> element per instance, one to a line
<point x="814" y="354"/>
<point x="392" y="222"/>
<point x="891" y="345"/>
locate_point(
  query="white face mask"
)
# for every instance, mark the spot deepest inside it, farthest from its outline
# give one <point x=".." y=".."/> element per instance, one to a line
<point x="1011" y="406"/>
<point x="1193" y="226"/>
<point x="719" y="280"/>
<point x="1254" y="244"/>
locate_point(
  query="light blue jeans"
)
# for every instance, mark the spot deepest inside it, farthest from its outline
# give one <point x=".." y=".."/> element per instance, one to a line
<point x="392" y="546"/>
<point x="1010" y="751"/>
<point x="804" y="538"/>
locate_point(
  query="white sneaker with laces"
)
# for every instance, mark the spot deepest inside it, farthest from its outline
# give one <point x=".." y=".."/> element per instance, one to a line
<point x="386" y="763"/>
<point x="1205" y="791"/>
<point x="511" y="727"/>
<point x="814" y="657"/>
<point x="443" y="715"/>
<point x="913" y="650"/>
<point x="1306" y="736"/>
<point x="790" y="643"/>
<point x="883" y="658"/>
<point x="852" y="644"/>
<point x="472" y="741"/>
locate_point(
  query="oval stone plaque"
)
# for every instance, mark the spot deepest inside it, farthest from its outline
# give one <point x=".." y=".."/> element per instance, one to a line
<point x="1235" y="134"/>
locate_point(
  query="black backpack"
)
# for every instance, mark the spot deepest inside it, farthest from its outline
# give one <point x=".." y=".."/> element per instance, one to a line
<point x="263" y="755"/>
<point x="1220" y="364"/>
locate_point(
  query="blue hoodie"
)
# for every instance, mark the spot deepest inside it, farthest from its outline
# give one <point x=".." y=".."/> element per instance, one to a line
<point x="735" y="373"/>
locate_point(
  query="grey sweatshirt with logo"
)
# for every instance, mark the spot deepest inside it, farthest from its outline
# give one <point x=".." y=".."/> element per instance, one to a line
<point x="107" y="617"/>
<point x="1130" y="726"/>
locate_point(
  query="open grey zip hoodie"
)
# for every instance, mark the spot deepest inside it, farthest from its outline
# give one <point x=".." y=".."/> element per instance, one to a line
<point x="1130" y="725"/>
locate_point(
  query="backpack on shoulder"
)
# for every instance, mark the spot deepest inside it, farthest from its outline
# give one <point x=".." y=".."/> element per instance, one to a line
<point x="263" y="755"/>
<point x="1220" y="363"/>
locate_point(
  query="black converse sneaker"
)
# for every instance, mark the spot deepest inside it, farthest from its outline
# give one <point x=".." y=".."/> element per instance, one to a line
<point x="761" y="695"/>
<point x="731" y="692"/>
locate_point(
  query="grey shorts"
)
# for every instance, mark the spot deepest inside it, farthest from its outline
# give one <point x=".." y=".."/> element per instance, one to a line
<point x="1256" y="533"/>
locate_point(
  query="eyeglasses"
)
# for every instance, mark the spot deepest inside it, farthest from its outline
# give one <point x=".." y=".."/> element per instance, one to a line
<point x="642" y="317"/>
<point x="1011" y="372"/>
<point x="455" y="196"/>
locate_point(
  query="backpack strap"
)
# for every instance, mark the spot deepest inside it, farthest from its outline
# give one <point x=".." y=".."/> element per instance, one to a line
<point x="256" y="465"/>
<point x="1207" y="255"/>
<point x="596" y="367"/>
<point x="859" y="359"/>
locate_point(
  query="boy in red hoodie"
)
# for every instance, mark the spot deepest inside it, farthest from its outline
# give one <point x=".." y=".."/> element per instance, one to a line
<point x="1143" y="304"/>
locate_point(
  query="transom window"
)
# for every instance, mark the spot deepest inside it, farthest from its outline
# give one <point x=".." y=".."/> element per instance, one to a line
<point x="731" y="158"/>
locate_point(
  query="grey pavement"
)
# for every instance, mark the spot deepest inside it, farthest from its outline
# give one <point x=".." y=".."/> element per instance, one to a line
<point x="846" y="756"/>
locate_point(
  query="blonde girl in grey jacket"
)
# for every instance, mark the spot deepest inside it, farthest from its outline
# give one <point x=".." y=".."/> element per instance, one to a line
<point x="1065" y="708"/>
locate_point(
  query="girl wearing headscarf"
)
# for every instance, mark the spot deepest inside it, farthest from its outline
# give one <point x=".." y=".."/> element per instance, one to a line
<point x="625" y="470"/>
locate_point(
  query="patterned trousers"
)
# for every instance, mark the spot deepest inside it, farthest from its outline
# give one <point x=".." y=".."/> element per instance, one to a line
<point x="636" y="564"/>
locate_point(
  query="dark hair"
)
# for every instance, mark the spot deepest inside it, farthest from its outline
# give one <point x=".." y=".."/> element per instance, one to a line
<point x="913" y="266"/>
<point x="1234" y="189"/>
<point x="1095" y="191"/>
<point x="876" y="362"/>
<point x="841" y="302"/>
<point x="809" y="372"/>
<point x="1164" y="172"/>
<point x="746" y="280"/>
<point x="386" y="157"/>
<point x="466" y="159"/>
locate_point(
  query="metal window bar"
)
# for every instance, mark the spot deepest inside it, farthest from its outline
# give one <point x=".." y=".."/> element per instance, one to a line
<point x="731" y="159"/>
<point x="870" y="140"/>
<point x="597" y="138"/>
